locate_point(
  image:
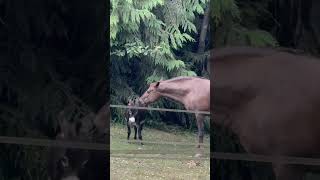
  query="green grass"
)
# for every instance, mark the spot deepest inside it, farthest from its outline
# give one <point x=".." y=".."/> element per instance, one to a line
<point x="137" y="167"/>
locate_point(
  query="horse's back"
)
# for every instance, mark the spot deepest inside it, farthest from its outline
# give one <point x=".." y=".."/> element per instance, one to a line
<point x="289" y="74"/>
<point x="285" y="100"/>
<point x="278" y="68"/>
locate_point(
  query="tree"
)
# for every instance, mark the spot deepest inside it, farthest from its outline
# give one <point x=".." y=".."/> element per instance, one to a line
<point x="147" y="42"/>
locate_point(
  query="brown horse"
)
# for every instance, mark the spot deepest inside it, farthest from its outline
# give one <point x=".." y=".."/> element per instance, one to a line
<point x="271" y="100"/>
<point x="192" y="92"/>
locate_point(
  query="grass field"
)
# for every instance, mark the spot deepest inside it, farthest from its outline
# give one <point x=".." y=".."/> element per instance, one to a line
<point x="138" y="168"/>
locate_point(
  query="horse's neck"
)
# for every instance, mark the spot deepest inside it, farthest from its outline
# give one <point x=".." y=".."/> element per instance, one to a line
<point x="177" y="93"/>
<point x="174" y="97"/>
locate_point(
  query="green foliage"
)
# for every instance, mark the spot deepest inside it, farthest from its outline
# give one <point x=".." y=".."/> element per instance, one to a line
<point x="234" y="26"/>
<point x="29" y="160"/>
<point x="151" y="29"/>
<point x="260" y="38"/>
<point x="223" y="8"/>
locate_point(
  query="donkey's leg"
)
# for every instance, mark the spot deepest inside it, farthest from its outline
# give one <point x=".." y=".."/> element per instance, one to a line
<point x="135" y="131"/>
<point x="140" y="133"/>
<point x="129" y="131"/>
<point x="287" y="172"/>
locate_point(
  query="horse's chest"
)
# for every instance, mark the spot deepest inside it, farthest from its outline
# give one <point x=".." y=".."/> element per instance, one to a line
<point x="202" y="104"/>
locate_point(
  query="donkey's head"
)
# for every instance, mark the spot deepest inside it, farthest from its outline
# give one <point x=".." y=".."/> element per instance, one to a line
<point x="132" y="112"/>
<point x="70" y="163"/>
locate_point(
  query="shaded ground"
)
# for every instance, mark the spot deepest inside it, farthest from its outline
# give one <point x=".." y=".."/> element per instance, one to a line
<point x="140" y="168"/>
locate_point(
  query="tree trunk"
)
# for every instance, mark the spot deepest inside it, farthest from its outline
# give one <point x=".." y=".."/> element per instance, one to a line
<point x="299" y="26"/>
<point x="204" y="30"/>
<point x="203" y="35"/>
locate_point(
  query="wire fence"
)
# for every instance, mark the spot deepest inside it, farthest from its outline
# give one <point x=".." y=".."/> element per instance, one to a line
<point x="267" y="159"/>
<point x="153" y="154"/>
<point x="135" y="153"/>
<point x="233" y="157"/>
<point x="159" y="157"/>
<point x="159" y="109"/>
<point x="215" y="155"/>
<point x="53" y="143"/>
<point x="155" y="151"/>
<point x="178" y="143"/>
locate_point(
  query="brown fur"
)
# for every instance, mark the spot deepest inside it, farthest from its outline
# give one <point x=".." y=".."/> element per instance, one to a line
<point x="192" y="92"/>
<point x="271" y="100"/>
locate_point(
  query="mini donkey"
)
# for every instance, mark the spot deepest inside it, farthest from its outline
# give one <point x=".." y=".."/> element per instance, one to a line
<point x="134" y="119"/>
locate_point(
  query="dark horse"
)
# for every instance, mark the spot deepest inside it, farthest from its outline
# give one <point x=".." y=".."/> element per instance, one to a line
<point x="192" y="92"/>
<point x="270" y="99"/>
<point x="134" y="119"/>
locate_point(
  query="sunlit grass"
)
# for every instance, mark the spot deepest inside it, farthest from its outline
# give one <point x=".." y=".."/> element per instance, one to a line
<point x="139" y="168"/>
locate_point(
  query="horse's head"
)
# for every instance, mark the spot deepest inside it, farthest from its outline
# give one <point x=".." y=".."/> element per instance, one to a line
<point x="151" y="95"/>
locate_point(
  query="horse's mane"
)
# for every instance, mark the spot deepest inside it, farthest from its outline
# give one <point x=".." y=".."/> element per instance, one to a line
<point x="248" y="52"/>
<point x="183" y="78"/>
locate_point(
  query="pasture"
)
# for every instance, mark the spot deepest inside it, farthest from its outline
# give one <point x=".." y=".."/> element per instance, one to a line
<point x="136" y="167"/>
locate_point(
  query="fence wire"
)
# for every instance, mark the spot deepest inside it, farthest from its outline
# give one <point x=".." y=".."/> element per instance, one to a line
<point x="137" y="154"/>
<point x="265" y="158"/>
<point x="159" y="109"/>
<point x="53" y="143"/>
<point x="174" y="143"/>
<point x="154" y="151"/>
<point x="230" y="156"/>
<point x="158" y="157"/>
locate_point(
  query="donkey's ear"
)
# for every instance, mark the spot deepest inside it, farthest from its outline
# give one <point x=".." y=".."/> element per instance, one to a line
<point x="158" y="83"/>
